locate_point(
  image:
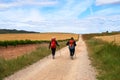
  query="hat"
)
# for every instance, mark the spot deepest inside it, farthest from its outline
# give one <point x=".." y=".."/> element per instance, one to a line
<point x="72" y="38"/>
<point x="53" y="38"/>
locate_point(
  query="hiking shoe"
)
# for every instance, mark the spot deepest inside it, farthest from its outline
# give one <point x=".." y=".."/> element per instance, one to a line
<point x="53" y="57"/>
<point x="71" y="57"/>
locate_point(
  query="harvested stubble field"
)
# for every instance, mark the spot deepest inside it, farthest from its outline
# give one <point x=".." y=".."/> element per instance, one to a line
<point x="111" y="38"/>
<point x="37" y="36"/>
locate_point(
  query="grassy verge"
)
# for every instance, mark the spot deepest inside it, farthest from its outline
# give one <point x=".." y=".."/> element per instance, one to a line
<point x="89" y="36"/>
<point x="8" y="67"/>
<point x="106" y="58"/>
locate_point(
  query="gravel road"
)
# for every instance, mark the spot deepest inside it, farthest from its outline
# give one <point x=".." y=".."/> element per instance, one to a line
<point x="60" y="68"/>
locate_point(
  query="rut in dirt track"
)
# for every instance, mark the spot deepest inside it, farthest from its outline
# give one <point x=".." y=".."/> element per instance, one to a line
<point x="61" y="68"/>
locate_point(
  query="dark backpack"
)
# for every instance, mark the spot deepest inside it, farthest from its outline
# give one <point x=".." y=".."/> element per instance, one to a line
<point x="53" y="44"/>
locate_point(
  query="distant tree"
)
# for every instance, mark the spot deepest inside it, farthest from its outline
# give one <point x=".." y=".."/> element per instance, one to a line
<point x="107" y="31"/>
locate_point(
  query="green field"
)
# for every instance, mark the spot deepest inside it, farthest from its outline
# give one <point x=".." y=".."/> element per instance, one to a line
<point x="105" y="58"/>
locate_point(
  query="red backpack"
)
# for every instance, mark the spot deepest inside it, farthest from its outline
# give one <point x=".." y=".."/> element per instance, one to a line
<point x="53" y="44"/>
<point x="71" y="44"/>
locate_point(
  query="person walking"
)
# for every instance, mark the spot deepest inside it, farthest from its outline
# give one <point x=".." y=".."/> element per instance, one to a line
<point x="71" y="44"/>
<point x="52" y="45"/>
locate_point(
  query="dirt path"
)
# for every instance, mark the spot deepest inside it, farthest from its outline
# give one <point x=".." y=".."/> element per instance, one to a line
<point x="61" y="68"/>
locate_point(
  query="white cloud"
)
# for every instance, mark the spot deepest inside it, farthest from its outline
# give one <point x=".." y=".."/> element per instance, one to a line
<point x="107" y="11"/>
<point x="88" y="25"/>
<point x="34" y="15"/>
<point x="21" y="15"/>
<point x="103" y="23"/>
<point x="27" y="2"/>
<point x="70" y="10"/>
<point x="102" y="2"/>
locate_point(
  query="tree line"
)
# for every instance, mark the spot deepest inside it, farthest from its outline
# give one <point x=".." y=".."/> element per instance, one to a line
<point x="4" y="31"/>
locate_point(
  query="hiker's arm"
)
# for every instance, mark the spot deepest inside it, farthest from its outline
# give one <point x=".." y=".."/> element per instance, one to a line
<point x="75" y="43"/>
<point x="67" y="43"/>
<point x="57" y="43"/>
<point x="49" y="45"/>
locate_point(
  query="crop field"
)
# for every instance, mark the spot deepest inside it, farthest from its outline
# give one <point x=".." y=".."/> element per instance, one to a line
<point x="112" y="38"/>
<point x="12" y="45"/>
<point x="37" y="36"/>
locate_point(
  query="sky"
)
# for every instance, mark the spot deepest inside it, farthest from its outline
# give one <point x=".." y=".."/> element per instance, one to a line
<point x="72" y="16"/>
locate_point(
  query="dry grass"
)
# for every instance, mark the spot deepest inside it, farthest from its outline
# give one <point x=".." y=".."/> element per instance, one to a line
<point x="112" y="38"/>
<point x="37" y="36"/>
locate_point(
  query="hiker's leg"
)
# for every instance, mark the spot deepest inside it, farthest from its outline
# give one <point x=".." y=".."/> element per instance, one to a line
<point x="73" y="51"/>
<point x="53" y="52"/>
<point x="70" y="52"/>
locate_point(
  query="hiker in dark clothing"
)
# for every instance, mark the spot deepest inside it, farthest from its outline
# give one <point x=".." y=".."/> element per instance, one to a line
<point x="71" y="44"/>
<point x="52" y="45"/>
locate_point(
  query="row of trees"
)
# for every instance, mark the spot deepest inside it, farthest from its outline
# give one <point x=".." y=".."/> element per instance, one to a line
<point x="4" y="31"/>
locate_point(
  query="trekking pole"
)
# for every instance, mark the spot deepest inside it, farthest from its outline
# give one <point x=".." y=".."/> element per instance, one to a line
<point x="75" y="55"/>
<point x="59" y="51"/>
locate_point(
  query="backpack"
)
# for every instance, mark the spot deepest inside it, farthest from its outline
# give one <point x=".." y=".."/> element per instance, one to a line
<point x="53" y="44"/>
<point x="71" y="44"/>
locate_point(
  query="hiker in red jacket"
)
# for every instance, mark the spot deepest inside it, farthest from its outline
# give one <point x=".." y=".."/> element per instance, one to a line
<point x="52" y="45"/>
<point x="71" y="43"/>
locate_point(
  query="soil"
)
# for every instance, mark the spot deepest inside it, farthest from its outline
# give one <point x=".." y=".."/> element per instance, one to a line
<point x="15" y="51"/>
